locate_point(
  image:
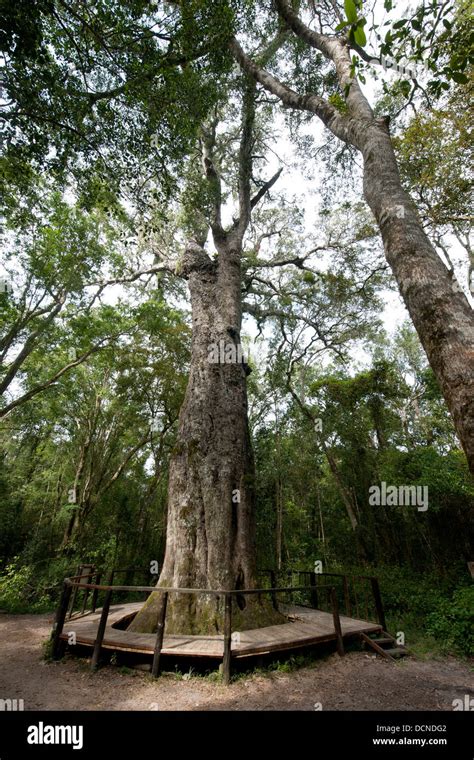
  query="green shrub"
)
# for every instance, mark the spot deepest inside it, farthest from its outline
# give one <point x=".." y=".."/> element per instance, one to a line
<point x="19" y="591"/>
<point x="452" y="622"/>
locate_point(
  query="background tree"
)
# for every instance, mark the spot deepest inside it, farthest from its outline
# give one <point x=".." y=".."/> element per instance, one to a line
<point x="440" y="311"/>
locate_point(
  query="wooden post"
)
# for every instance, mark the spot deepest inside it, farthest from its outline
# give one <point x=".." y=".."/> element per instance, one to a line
<point x="86" y="594"/>
<point x="110" y="581"/>
<point x="98" y="577"/>
<point x="314" y="590"/>
<point x="73" y="600"/>
<point x="273" y="594"/>
<point x="347" y="598"/>
<point x="58" y="644"/>
<point x="227" y="639"/>
<point x="356" y="601"/>
<point x="155" y="668"/>
<point x="337" y="623"/>
<point x="378" y="603"/>
<point x="101" y="630"/>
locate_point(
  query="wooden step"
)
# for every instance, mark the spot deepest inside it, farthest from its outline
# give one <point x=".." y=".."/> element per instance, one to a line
<point x="392" y="653"/>
<point x="385" y="640"/>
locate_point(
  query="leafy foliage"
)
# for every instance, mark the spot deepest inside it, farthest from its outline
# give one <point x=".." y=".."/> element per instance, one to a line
<point x="453" y="622"/>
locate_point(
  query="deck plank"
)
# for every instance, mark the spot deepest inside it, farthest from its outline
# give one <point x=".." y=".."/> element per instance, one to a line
<point x="306" y="627"/>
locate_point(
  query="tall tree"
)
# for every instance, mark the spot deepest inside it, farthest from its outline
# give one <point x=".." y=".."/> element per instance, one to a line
<point x="211" y="526"/>
<point x="124" y="91"/>
<point x="437" y="305"/>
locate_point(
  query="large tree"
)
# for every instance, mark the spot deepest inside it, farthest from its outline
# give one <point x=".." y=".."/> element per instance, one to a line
<point x="210" y="539"/>
<point x="117" y="97"/>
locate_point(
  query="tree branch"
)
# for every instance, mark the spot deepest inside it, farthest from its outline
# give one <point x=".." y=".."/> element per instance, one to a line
<point x="330" y="116"/>
<point x="42" y="386"/>
<point x="335" y="49"/>
<point x="245" y="157"/>
<point x="208" y="143"/>
<point x="265" y="188"/>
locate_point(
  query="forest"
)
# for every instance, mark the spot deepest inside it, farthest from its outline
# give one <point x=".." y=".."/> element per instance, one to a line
<point x="236" y="288"/>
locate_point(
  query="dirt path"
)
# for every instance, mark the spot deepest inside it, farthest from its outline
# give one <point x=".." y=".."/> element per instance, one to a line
<point x="355" y="682"/>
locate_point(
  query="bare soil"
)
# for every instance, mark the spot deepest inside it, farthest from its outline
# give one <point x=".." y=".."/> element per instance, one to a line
<point x="358" y="681"/>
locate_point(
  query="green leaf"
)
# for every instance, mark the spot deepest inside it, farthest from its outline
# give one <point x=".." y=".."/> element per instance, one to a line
<point x="399" y="24"/>
<point x="342" y="25"/>
<point x="351" y="11"/>
<point x="459" y="77"/>
<point x="359" y="36"/>
<point x="405" y="87"/>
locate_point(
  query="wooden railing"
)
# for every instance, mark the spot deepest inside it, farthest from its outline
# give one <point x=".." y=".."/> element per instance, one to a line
<point x="74" y="584"/>
<point x="358" y="595"/>
<point x="94" y="578"/>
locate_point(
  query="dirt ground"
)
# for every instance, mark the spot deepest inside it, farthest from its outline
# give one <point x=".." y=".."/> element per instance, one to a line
<point x="358" y="681"/>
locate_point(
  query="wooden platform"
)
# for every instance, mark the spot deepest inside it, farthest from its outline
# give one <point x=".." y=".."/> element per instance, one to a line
<point x="305" y="627"/>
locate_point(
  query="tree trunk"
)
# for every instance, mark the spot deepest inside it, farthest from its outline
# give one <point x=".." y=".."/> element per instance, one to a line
<point x="210" y="539"/>
<point x="344" y="493"/>
<point x="279" y="522"/>
<point x="70" y="531"/>
<point x="439" y="309"/>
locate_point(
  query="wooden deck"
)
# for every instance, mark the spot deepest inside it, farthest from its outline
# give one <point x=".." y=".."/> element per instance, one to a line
<point x="305" y="627"/>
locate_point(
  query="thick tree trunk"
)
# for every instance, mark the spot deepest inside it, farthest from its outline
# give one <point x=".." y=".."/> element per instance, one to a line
<point x="439" y="309"/>
<point x="210" y="535"/>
